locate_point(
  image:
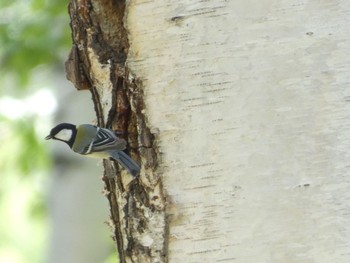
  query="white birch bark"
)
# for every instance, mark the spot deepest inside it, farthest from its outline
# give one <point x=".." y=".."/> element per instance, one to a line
<point x="250" y="101"/>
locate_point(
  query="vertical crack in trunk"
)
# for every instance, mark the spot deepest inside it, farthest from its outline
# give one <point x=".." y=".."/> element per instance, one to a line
<point x="97" y="62"/>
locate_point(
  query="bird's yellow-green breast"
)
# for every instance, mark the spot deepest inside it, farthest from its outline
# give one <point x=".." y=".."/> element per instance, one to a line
<point x="85" y="135"/>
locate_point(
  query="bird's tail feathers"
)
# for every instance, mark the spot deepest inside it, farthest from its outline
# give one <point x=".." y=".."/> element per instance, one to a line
<point x="124" y="160"/>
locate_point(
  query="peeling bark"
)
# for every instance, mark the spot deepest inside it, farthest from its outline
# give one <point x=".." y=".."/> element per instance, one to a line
<point x="97" y="63"/>
<point x="248" y="101"/>
<point x="251" y="102"/>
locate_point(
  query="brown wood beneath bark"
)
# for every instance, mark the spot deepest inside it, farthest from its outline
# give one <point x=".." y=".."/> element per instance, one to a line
<point x="137" y="206"/>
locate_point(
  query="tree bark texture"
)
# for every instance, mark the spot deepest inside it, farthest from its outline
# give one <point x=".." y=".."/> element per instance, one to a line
<point x="97" y="63"/>
<point x="247" y="102"/>
<point x="251" y="102"/>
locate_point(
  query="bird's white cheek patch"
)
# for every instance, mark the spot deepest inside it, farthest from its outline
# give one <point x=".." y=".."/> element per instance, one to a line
<point x="64" y="135"/>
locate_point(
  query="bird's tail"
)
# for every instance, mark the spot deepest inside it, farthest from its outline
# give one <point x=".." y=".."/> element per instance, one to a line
<point x="124" y="160"/>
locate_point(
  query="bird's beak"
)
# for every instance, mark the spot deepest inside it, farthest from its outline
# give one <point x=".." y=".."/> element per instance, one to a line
<point x="48" y="137"/>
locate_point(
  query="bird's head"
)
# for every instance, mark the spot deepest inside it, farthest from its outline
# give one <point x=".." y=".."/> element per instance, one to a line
<point x="64" y="132"/>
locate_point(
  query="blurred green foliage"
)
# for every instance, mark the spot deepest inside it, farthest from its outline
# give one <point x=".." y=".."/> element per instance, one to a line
<point x="28" y="154"/>
<point x="32" y="33"/>
<point x="34" y="36"/>
<point x="34" y="43"/>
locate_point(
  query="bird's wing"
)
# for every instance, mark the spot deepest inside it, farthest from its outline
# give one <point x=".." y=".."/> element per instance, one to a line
<point x="105" y="140"/>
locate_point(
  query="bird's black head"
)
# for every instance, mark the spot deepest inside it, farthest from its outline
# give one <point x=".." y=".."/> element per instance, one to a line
<point x="64" y="132"/>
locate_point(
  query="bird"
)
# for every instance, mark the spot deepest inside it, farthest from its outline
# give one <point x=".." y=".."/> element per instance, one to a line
<point x="94" y="141"/>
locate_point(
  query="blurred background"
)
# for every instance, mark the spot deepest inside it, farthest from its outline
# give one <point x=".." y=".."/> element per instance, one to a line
<point x="51" y="206"/>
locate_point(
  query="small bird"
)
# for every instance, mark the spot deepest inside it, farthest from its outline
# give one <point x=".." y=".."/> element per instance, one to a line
<point x="94" y="141"/>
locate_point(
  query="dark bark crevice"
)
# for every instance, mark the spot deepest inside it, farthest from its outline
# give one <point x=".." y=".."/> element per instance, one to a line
<point x="137" y="206"/>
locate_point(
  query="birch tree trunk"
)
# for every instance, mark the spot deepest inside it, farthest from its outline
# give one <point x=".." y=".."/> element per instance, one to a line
<point x="238" y="113"/>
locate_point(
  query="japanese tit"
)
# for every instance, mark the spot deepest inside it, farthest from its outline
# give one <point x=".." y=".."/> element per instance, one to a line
<point x="94" y="141"/>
